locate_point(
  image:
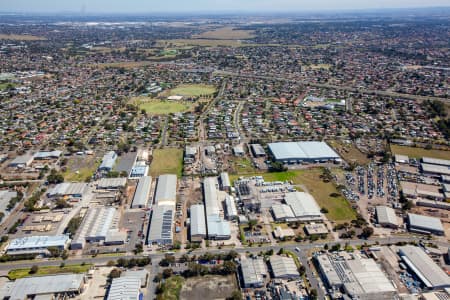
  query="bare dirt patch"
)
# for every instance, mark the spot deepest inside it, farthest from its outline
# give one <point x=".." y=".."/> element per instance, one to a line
<point x="208" y="287"/>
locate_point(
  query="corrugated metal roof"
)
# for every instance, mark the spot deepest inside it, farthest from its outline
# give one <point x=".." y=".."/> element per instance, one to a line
<point x="436" y="161"/>
<point x="198" y="221"/>
<point x="437" y="169"/>
<point x="283" y="267"/>
<point x="425" y="222"/>
<point x="35" y="242"/>
<point x="106" y="183"/>
<point x="302" y="150"/>
<point x="225" y="180"/>
<point x="386" y="215"/>
<point x="282" y="211"/>
<point x="253" y="271"/>
<point x="303" y="204"/>
<point x="210" y="193"/>
<point x="166" y="190"/>
<point x="161" y="224"/>
<point x="142" y="192"/>
<point x="109" y="159"/>
<point x="424" y="267"/>
<point x="231" y="206"/>
<point x="124" y="288"/>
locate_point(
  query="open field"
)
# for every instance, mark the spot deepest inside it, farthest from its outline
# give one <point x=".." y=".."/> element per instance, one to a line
<point x="349" y="152"/>
<point x="309" y="180"/>
<point x="80" y="168"/>
<point x="172" y="287"/>
<point x="126" y="64"/>
<point x="414" y="152"/>
<point x="226" y="33"/>
<point x="193" y="90"/>
<point x="21" y="37"/>
<point x="242" y="165"/>
<point x="167" y="161"/>
<point x="208" y="287"/>
<point x="48" y="270"/>
<point x="4" y="86"/>
<point x="160" y="107"/>
<point x="199" y="42"/>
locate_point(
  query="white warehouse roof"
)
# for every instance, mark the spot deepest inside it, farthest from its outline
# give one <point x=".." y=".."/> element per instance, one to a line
<point x="436" y="161"/>
<point x="425" y="223"/>
<point x="424" y="267"/>
<point x="211" y="198"/>
<point x="283" y="267"/>
<point x="287" y="151"/>
<point x="124" y="288"/>
<point x="386" y="215"/>
<point x="142" y="193"/>
<point x="37" y="242"/>
<point x="111" y="183"/>
<point x="282" y="212"/>
<point x="166" y="190"/>
<point x="303" y="205"/>
<point x="198" y="221"/>
<point x="160" y="230"/>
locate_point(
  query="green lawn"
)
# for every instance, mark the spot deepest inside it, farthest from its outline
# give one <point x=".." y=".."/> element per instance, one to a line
<point x="3" y="86"/>
<point x="193" y="90"/>
<point x="159" y="107"/>
<point x="243" y="166"/>
<point x="21" y="273"/>
<point x="339" y="208"/>
<point x="80" y="168"/>
<point x="171" y="288"/>
<point x="167" y="161"/>
<point x="414" y="152"/>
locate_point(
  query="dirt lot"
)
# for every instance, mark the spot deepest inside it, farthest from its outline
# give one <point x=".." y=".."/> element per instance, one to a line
<point x="208" y="287"/>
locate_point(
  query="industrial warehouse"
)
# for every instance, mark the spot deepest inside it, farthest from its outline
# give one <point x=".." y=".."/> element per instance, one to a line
<point x="37" y="244"/>
<point x="161" y="226"/>
<point x="298" y="152"/>
<point x="358" y="277"/>
<point x="425" y="225"/>
<point x="299" y="206"/>
<point x="197" y="222"/>
<point x="218" y="229"/>
<point x="142" y="193"/>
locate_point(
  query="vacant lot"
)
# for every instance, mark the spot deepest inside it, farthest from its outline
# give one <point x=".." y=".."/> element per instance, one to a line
<point x="161" y="107"/>
<point x="226" y="33"/>
<point x="167" y="161"/>
<point x="126" y="64"/>
<point x="193" y="90"/>
<point x="242" y="165"/>
<point x="208" y="287"/>
<point x="20" y="273"/>
<point x="21" y="37"/>
<point x="79" y="168"/>
<point x="350" y="153"/>
<point x="309" y="180"/>
<point x="414" y="152"/>
<point x="171" y="288"/>
<point x="199" y="42"/>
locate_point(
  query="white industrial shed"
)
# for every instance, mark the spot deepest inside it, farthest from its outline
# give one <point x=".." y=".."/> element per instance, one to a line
<point x="37" y="244"/>
<point x="282" y="212"/>
<point x="432" y="276"/>
<point x="124" y="288"/>
<point x="295" y="152"/>
<point x="225" y="184"/>
<point x="160" y="230"/>
<point x="96" y="225"/>
<point x="425" y="224"/>
<point x="109" y="159"/>
<point x="253" y="272"/>
<point x="112" y="183"/>
<point x="304" y="206"/>
<point x="436" y="161"/>
<point x="166" y="190"/>
<point x="218" y="229"/>
<point x="43" y="287"/>
<point x="72" y="189"/>
<point x="386" y="216"/>
<point x="231" y="209"/>
<point x="142" y="193"/>
<point x="283" y="267"/>
<point x="198" y="222"/>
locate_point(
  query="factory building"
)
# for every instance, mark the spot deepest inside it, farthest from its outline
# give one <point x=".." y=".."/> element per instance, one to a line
<point x="282" y="213"/>
<point x="21" y="161"/>
<point x="435" y="170"/>
<point x="100" y="224"/>
<point x="198" y="222"/>
<point x="44" y="155"/>
<point x="283" y="267"/>
<point x="298" y="152"/>
<point x="253" y="272"/>
<point x="124" y="288"/>
<point x="230" y="206"/>
<point x="142" y="193"/>
<point x="112" y="183"/>
<point x="359" y="278"/>
<point x="44" y="287"/>
<point x="303" y="206"/>
<point x="386" y="216"/>
<point x="138" y="171"/>
<point x="37" y="244"/>
<point x="160" y="230"/>
<point x="108" y="161"/>
<point x="166" y="190"/>
<point x="70" y="189"/>
<point x="218" y="229"/>
<point x="431" y="275"/>
<point x="257" y="150"/>
<point x="425" y="224"/>
<point x="225" y="184"/>
<point x="436" y="161"/>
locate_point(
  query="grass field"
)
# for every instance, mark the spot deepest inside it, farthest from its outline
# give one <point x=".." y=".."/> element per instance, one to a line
<point x="193" y="90"/>
<point x="48" y="270"/>
<point x="243" y="166"/>
<point x="350" y="153"/>
<point x="172" y="288"/>
<point x="339" y="208"/>
<point x="159" y="107"/>
<point x="199" y="42"/>
<point x="3" y="86"/>
<point x="80" y="168"/>
<point x="21" y="37"/>
<point x="226" y="33"/>
<point x="126" y="64"/>
<point x="414" y="152"/>
<point x="167" y="161"/>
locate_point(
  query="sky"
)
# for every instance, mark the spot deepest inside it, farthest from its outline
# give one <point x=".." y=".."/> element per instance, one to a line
<point x="149" y="6"/>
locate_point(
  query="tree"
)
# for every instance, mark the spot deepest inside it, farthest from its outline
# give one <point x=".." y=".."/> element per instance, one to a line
<point x="167" y="273"/>
<point x="367" y="232"/>
<point x="111" y="263"/>
<point x="252" y="224"/>
<point x="115" y="273"/>
<point x="55" y="177"/>
<point x="236" y="295"/>
<point x="302" y="270"/>
<point x="229" y="267"/>
<point x="324" y="210"/>
<point x="313" y="293"/>
<point x="62" y="203"/>
<point x="34" y="269"/>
